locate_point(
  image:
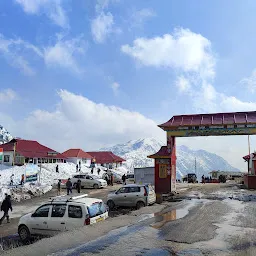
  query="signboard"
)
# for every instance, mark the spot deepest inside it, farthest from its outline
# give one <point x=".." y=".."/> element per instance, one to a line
<point x="31" y="172"/>
<point x="162" y="171"/>
<point x="1" y="154"/>
<point x="212" y="132"/>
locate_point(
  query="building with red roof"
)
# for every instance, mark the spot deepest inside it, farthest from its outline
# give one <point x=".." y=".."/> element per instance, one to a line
<point x="76" y="156"/>
<point x="106" y="159"/>
<point x="20" y="152"/>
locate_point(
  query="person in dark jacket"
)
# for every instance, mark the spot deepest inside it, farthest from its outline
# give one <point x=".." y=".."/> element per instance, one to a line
<point x="98" y="171"/>
<point x="124" y="179"/>
<point x="57" y="168"/>
<point x="77" y="168"/>
<point x="69" y="186"/>
<point x="5" y="207"/>
<point x="111" y="179"/>
<point x="78" y="186"/>
<point x="58" y="187"/>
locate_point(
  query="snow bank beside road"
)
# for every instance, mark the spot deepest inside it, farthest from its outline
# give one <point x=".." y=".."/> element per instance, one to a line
<point x="48" y="177"/>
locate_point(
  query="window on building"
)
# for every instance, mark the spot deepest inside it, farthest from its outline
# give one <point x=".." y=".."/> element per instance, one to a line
<point x="54" y="161"/>
<point x="50" y="161"/>
<point x="39" y="160"/>
<point x="6" y="159"/>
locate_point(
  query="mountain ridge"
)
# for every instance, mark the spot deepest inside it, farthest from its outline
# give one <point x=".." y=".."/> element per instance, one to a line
<point x="5" y="136"/>
<point x="136" y="151"/>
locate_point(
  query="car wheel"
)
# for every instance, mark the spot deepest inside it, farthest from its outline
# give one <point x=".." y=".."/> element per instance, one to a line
<point x="24" y="234"/>
<point x="139" y="205"/>
<point x="95" y="186"/>
<point x="110" y="204"/>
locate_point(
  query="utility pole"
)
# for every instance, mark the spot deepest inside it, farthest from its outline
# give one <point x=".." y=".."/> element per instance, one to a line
<point x="249" y="148"/>
<point x="195" y="165"/>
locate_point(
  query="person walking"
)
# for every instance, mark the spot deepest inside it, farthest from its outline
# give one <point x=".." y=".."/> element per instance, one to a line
<point x="58" y="188"/>
<point x="5" y="207"/>
<point x="124" y="179"/>
<point x="57" y="168"/>
<point x="69" y="186"/>
<point x="98" y="171"/>
<point x="203" y="179"/>
<point x="80" y="164"/>
<point x="77" y="168"/>
<point x="78" y="186"/>
<point x="11" y="182"/>
<point x="22" y="179"/>
<point x="112" y="179"/>
<point x="92" y="170"/>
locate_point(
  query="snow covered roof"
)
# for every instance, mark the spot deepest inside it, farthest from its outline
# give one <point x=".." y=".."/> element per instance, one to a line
<point x="210" y="119"/>
<point x="31" y="148"/>
<point x="104" y="157"/>
<point x="76" y="152"/>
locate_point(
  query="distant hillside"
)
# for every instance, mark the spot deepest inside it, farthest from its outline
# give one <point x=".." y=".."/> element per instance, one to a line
<point x="136" y="151"/>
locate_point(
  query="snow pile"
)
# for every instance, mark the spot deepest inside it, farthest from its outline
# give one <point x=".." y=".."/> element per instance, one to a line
<point x="48" y="177"/>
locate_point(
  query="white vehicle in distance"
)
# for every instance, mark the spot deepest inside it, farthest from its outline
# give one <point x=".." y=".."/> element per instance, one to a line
<point x="60" y="214"/>
<point x="130" y="179"/>
<point x="132" y="195"/>
<point x="89" y="181"/>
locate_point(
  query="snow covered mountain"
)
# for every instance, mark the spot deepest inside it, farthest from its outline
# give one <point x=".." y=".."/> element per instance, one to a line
<point x="136" y="151"/>
<point x="5" y="136"/>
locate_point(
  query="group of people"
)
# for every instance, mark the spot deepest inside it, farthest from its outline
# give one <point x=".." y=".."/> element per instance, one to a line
<point x="206" y="179"/>
<point x="5" y="207"/>
<point x="69" y="186"/>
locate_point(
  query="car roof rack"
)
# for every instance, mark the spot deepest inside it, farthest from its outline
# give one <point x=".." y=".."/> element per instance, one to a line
<point x="65" y="199"/>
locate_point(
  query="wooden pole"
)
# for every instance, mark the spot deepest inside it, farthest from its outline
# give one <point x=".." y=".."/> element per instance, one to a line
<point x="249" y="148"/>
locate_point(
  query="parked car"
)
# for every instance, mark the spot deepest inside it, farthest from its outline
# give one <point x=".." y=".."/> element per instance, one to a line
<point x="190" y="178"/>
<point x="132" y="195"/>
<point x="62" y="214"/>
<point x="130" y="178"/>
<point x="89" y="181"/>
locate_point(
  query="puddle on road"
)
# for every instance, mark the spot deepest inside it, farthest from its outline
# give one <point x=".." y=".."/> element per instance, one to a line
<point x="162" y="218"/>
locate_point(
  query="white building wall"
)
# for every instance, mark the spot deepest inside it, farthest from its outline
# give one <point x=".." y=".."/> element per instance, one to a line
<point x="76" y="160"/>
<point x="10" y="154"/>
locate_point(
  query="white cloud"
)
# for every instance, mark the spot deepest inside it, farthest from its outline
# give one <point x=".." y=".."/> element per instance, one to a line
<point x="115" y="87"/>
<point x="13" y="51"/>
<point x="183" y="84"/>
<point x="102" y="27"/>
<point x="182" y="50"/>
<point x="65" y="54"/>
<point x="250" y="82"/>
<point x="52" y="8"/>
<point x="139" y="17"/>
<point x="79" y="122"/>
<point x="7" y="96"/>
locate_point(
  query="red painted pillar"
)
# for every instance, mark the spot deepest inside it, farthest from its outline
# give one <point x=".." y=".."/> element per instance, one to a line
<point x="171" y="147"/>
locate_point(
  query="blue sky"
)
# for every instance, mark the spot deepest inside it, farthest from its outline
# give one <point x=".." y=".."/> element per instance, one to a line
<point x="93" y="73"/>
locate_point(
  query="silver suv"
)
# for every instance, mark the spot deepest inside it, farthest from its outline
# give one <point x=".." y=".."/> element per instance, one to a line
<point x="132" y="195"/>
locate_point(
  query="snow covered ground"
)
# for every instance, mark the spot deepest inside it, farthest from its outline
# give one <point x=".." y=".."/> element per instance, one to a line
<point x="47" y="178"/>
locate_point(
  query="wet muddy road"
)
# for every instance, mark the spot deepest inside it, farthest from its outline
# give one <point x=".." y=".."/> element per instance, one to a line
<point x="215" y="222"/>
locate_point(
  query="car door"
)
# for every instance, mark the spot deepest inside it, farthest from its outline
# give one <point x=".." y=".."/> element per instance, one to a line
<point x="75" y="217"/>
<point x="90" y="181"/>
<point x="133" y="196"/>
<point x="121" y="198"/>
<point x="57" y="218"/>
<point x="39" y="220"/>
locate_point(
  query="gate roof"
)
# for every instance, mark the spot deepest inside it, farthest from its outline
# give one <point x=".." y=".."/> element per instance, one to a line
<point x="233" y="118"/>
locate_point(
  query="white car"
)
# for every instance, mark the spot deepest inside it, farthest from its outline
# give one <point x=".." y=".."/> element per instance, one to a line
<point x="89" y="181"/>
<point x="61" y="214"/>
